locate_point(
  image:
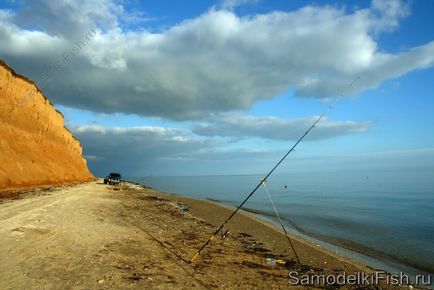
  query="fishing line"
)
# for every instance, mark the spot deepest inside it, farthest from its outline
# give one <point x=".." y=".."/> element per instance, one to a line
<point x="281" y="223"/>
<point x="269" y="173"/>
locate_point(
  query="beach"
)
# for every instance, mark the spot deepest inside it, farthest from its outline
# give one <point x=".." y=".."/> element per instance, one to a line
<point x="94" y="236"/>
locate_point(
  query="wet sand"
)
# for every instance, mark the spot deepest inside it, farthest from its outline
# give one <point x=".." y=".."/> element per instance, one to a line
<point x="93" y="236"/>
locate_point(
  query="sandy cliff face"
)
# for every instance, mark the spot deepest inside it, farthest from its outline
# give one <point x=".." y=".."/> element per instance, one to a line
<point x="35" y="147"/>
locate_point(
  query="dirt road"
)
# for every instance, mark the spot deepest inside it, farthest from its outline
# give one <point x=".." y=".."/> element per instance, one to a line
<point x="67" y="238"/>
<point x="51" y="240"/>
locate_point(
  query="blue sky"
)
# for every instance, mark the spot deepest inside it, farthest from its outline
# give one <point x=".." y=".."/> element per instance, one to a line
<point x="225" y="87"/>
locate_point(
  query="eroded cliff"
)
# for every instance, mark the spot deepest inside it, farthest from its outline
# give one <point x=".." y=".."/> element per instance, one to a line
<point x="35" y="147"/>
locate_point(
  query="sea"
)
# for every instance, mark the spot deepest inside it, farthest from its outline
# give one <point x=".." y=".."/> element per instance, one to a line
<point x="384" y="219"/>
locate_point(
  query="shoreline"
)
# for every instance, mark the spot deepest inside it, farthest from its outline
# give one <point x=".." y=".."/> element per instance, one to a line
<point x="317" y="246"/>
<point x="276" y="227"/>
<point x="352" y="250"/>
<point x="256" y="218"/>
<point x="359" y="255"/>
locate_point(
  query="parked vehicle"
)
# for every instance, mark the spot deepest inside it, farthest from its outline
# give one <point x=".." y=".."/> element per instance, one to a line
<point x="113" y="179"/>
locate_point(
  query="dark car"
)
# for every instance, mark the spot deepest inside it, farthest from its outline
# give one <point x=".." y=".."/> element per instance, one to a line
<point x="113" y="179"/>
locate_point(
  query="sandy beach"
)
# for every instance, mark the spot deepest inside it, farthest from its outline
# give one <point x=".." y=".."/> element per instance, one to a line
<point x="94" y="236"/>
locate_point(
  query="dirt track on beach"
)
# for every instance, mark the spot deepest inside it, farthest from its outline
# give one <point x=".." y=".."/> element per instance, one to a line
<point x="93" y="236"/>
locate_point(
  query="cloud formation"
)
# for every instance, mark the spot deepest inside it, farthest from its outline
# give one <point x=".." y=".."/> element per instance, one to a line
<point x="137" y="150"/>
<point x="144" y="149"/>
<point x="241" y="126"/>
<point x="217" y="62"/>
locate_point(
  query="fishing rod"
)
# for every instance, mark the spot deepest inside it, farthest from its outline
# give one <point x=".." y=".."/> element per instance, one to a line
<point x="269" y="173"/>
<point x="281" y="223"/>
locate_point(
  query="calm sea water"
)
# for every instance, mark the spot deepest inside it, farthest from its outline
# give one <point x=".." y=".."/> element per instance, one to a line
<point x="387" y="215"/>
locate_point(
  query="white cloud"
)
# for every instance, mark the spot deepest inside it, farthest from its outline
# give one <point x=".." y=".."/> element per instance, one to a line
<point x="229" y="4"/>
<point x="217" y="62"/>
<point x="241" y="126"/>
<point x="390" y="11"/>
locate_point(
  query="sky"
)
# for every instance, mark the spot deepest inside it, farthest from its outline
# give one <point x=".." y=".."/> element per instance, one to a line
<point x="226" y="87"/>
